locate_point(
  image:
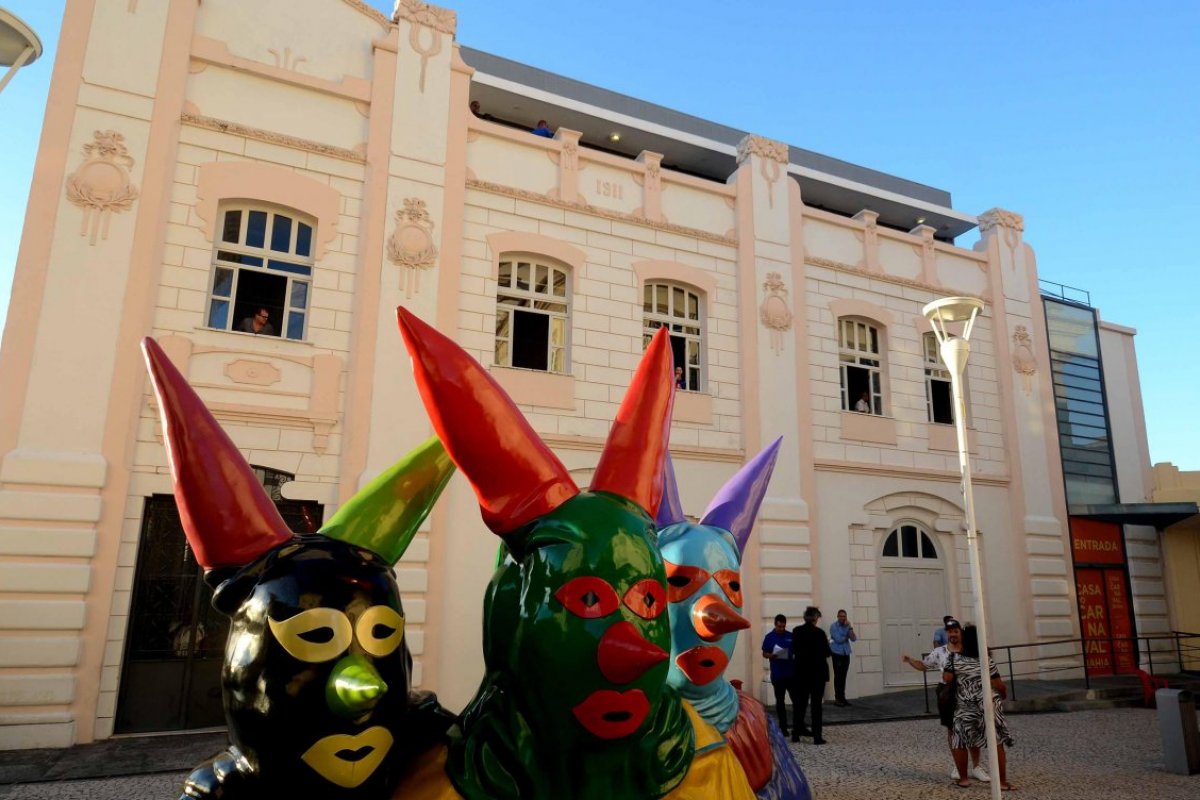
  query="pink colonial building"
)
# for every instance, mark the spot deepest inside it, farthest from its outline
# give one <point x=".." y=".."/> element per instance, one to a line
<point x="260" y="196"/>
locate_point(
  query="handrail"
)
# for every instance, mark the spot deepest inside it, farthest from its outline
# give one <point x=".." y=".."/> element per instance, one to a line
<point x="1184" y="645"/>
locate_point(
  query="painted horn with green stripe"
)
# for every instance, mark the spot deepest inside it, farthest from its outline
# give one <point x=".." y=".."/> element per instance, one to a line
<point x="384" y="515"/>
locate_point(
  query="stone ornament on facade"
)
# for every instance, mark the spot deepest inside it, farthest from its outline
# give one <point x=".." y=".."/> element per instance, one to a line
<point x="1011" y="224"/>
<point x="255" y="373"/>
<point x="774" y="310"/>
<point x="1023" y="358"/>
<point x="287" y="60"/>
<point x="411" y="244"/>
<point x="101" y="185"/>
<point x="425" y="17"/>
<point x="773" y="157"/>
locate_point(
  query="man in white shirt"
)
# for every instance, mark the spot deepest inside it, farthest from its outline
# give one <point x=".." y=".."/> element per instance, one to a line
<point x="935" y="662"/>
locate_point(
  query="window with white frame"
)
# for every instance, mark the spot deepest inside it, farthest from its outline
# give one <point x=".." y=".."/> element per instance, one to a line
<point x="262" y="272"/>
<point x="861" y="367"/>
<point x="909" y="541"/>
<point x="681" y="311"/>
<point x="938" y="398"/>
<point x="532" y="312"/>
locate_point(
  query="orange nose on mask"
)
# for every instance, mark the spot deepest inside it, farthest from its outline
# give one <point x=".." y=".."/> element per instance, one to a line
<point x="713" y="618"/>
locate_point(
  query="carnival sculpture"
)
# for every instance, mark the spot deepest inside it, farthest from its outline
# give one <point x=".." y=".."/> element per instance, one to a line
<point x="704" y="585"/>
<point x="574" y="702"/>
<point x="316" y="673"/>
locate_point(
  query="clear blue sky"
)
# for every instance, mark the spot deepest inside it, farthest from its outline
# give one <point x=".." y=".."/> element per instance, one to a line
<point x="1083" y="117"/>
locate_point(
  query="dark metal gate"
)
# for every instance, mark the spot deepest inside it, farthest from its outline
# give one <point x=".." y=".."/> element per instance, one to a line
<point x="171" y="674"/>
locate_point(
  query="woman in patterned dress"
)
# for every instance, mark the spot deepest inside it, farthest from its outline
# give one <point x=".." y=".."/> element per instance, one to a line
<point x="969" y="732"/>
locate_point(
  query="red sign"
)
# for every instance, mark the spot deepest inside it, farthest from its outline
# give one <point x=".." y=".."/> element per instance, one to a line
<point x="1118" y="614"/>
<point x="1096" y="542"/>
<point x="1093" y="620"/>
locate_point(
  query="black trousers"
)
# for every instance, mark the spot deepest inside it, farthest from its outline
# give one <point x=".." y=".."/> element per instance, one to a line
<point x="782" y="687"/>
<point x="841" y="665"/>
<point x="811" y="692"/>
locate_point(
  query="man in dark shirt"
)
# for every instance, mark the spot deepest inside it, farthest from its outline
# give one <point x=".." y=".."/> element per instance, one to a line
<point x="810" y="655"/>
<point x="777" y="648"/>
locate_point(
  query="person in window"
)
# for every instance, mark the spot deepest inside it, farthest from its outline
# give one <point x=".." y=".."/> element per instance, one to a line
<point x="863" y="406"/>
<point x="260" y="323"/>
<point x="543" y="129"/>
<point x="680" y="380"/>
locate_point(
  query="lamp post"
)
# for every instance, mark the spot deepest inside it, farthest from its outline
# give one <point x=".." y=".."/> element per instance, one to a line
<point x="955" y="349"/>
<point x="19" y="45"/>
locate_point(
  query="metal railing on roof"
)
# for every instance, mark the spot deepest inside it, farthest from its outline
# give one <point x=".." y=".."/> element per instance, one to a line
<point x="1071" y="294"/>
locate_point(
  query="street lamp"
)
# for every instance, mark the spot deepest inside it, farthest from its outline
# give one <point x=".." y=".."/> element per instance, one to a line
<point x="954" y="350"/>
<point x="19" y="45"/>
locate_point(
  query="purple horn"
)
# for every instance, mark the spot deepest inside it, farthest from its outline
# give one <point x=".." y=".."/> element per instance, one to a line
<point x="735" y="506"/>
<point x="670" y="510"/>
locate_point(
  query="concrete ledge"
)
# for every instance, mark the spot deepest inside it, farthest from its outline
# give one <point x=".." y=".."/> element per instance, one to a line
<point x="52" y="578"/>
<point x="50" y="468"/>
<point x="42" y="615"/>
<point x="39" y="651"/>
<point x="80" y="542"/>
<point x="868" y="428"/>
<point x="36" y="690"/>
<point x="29" y="737"/>
<point x="536" y="388"/>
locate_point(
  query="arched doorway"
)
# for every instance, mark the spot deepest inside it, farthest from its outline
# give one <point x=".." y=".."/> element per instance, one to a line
<point x="175" y="644"/>
<point x="912" y="599"/>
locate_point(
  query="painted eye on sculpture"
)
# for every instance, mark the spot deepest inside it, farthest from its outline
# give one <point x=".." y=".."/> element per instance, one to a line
<point x="731" y="583"/>
<point x="379" y="629"/>
<point x="315" y="635"/>
<point x="646" y="598"/>
<point x="683" y="580"/>
<point x="588" y="597"/>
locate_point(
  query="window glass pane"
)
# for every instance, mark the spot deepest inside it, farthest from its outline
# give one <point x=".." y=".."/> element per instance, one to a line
<point x="303" y="239"/>
<point x="558" y="360"/>
<point x="281" y="234"/>
<point x="874" y="340"/>
<point x="648" y="298"/>
<point x="506" y="300"/>
<point x="256" y="228"/>
<point x="661" y="306"/>
<point x="693" y="306"/>
<point x="909" y="536"/>
<point x="218" y="314"/>
<point x="678" y="302"/>
<point x="222" y="282"/>
<point x="1071" y="329"/>
<point x="542" y="285"/>
<point x="523" y="276"/>
<point x="284" y="266"/>
<point x="889" y="547"/>
<point x="238" y="258"/>
<point x="502" y="324"/>
<point x="295" y="325"/>
<point x="505" y="276"/>
<point x="560" y="283"/>
<point x="557" y="331"/>
<point x="502" y="352"/>
<point x="299" y="294"/>
<point x="927" y="548"/>
<point x="232" y="227"/>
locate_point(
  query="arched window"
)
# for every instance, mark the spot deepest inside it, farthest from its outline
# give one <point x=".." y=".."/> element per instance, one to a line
<point x="909" y="541"/>
<point x="861" y="367"/>
<point x="680" y="310"/>
<point x="938" y="397"/>
<point x="532" y="311"/>
<point x="262" y="272"/>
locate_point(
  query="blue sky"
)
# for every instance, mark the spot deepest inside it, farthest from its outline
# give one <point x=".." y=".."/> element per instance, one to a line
<point x="1083" y="117"/>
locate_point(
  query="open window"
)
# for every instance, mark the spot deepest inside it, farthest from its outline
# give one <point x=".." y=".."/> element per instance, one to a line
<point x="680" y="310"/>
<point x="861" y="366"/>
<point x="939" y="400"/>
<point x="532" y="313"/>
<point x="262" y="262"/>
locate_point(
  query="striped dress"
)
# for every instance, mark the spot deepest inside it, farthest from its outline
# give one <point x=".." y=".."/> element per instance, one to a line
<point x="969" y="729"/>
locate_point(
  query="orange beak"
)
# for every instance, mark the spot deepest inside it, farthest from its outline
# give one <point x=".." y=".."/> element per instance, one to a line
<point x="713" y="618"/>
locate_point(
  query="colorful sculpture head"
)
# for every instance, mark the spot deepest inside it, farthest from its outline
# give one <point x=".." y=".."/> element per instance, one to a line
<point x="575" y="701"/>
<point x="316" y="674"/>
<point x="703" y="564"/>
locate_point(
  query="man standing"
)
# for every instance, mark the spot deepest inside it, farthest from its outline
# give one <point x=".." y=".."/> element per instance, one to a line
<point x="810" y="649"/>
<point x="777" y="648"/>
<point x="841" y="634"/>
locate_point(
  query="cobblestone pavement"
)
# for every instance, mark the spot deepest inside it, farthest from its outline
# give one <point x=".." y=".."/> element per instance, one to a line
<point x="1114" y="754"/>
<point x="1087" y="755"/>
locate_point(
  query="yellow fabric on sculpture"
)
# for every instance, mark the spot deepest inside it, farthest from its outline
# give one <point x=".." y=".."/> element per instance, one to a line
<point x="715" y="773"/>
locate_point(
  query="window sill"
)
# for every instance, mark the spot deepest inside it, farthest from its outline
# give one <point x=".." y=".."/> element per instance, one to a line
<point x="693" y="407"/>
<point x="536" y="388"/>
<point x="280" y="344"/>
<point x="860" y="427"/>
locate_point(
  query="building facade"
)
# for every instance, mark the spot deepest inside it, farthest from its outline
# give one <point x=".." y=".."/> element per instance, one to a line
<point x="260" y="196"/>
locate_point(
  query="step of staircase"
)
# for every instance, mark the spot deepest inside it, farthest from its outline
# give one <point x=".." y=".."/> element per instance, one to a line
<point x="1097" y="703"/>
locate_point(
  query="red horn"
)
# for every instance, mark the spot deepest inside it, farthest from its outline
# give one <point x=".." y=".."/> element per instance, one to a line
<point x="227" y="516"/>
<point x="515" y="475"/>
<point x="632" y="463"/>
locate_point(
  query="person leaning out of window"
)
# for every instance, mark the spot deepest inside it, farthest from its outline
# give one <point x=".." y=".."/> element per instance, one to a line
<point x="260" y="323"/>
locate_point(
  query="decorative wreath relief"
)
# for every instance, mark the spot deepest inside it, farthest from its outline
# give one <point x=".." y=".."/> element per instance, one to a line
<point x="774" y="310"/>
<point x="411" y="244"/>
<point x="101" y="185"/>
<point x="1024" y="361"/>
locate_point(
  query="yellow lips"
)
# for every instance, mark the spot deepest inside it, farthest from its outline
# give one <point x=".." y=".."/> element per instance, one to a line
<point x="346" y="770"/>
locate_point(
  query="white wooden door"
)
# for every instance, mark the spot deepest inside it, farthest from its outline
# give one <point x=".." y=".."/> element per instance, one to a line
<point x="912" y="602"/>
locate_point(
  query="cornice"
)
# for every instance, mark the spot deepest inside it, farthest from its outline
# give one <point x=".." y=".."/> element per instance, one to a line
<point x="581" y="206"/>
<point x="233" y="128"/>
<point x="842" y="266"/>
<point x="909" y="473"/>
